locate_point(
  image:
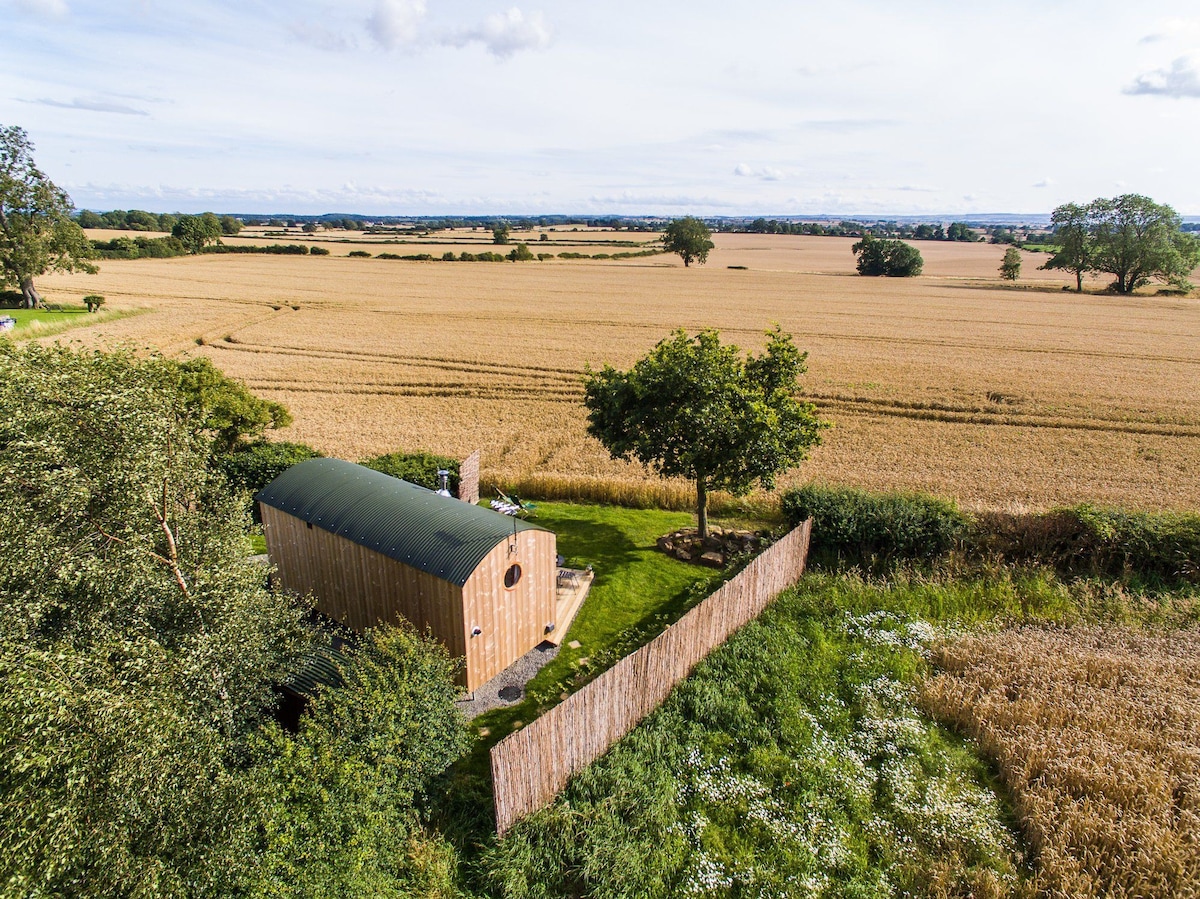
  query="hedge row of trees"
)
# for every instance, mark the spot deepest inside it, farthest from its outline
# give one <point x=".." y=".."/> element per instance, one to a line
<point x="140" y="220"/>
<point x="957" y="231"/>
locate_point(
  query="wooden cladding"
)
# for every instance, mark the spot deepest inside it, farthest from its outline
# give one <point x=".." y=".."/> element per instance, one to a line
<point x="362" y="588"/>
<point x="530" y="766"/>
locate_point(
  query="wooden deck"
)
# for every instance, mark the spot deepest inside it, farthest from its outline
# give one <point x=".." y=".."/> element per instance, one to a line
<point x="572" y="589"/>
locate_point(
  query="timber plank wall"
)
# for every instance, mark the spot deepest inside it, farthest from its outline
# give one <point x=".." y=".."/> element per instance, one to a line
<point x="531" y="766"/>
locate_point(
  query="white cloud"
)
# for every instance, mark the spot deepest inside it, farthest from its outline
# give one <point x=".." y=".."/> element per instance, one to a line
<point x="505" y="34"/>
<point x="766" y="173"/>
<point x="54" y="9"/>
<point x="1180" y="80"/>
<point x="321" y="37"/>
<point x="94" y="104"/>
<point x="396" y="23"/>
<point x="1045" y="182"/>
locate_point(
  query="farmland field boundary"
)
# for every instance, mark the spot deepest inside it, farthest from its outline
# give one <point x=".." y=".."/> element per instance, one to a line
<point x="531" y="766"/>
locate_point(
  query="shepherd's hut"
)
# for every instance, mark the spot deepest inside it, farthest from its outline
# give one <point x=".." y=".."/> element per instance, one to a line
<point x="373" y="549"/>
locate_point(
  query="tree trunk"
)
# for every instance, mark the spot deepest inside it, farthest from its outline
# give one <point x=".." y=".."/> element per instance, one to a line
<point x="33" y="299"/>
<point x="702" y="507"/>
<point x="1079" y="282"/>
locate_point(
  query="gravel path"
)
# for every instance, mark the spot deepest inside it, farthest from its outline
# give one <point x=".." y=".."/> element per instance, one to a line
<point x="508" y="687"/>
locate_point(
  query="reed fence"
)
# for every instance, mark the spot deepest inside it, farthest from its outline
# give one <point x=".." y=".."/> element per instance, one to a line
<point x="531" y="766"/>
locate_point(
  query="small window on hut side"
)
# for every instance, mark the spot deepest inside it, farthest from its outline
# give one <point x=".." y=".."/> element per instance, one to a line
<point x="512" y="576"/>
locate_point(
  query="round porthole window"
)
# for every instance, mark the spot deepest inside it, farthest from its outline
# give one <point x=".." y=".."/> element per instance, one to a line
<point x="512" y="576"/>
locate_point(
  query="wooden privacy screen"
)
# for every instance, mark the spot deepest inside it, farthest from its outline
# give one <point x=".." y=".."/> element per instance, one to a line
<point x="530" y="766"/>
<point x="468" y="479"/>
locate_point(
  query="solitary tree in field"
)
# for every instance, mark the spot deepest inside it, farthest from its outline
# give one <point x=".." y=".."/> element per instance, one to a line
<point x="1010" y="268"/>
<point x="1137" y="240"/>
<point x="37" y="234"/>
<point x="197" y="231"/>
<point x="500" y="234"/>
<point x="1072" y="238"/>
<point x="690" y="238"/>
<point x="893" y="258"/>
<point x="696" y="409"/>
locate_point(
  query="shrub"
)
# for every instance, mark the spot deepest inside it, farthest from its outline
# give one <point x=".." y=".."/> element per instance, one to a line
<point x="466" y="257"/>
<point x="318" y="251"/>
<point x="359" y="254"/>
<point x="253" y="466"/>
<point x="416" y="468"/>
<point x="93" y="301"/>
<point x="572" y="255"/>
<point x="448" y="256"/>
<point x="868" y="527"/>
<point x="542" y="257"/>
<point x="520" y="253"/>
<point x="388" y="256"/>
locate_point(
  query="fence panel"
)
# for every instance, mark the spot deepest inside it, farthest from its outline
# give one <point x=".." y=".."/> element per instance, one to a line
<point x="530" y="766"/>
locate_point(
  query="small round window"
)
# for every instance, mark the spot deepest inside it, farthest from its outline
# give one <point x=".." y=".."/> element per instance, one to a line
<point x="512" y="576"/>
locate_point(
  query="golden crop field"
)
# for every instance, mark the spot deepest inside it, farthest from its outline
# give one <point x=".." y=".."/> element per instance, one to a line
<point x="1012" y="397"/>
<point x="1095" y="732"/>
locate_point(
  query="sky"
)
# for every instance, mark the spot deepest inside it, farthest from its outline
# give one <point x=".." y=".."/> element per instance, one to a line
<point x="480" y="107"/>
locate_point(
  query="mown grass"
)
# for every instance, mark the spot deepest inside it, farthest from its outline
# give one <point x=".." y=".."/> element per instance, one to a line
<point x="44" y="322"/>
<point x="637" y="592"/>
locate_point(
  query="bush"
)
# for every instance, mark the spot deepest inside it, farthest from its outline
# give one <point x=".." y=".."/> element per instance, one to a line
<point x="520" y="253"/>
<point x="416" y="468"/>
<point x="448" y="256"/>
<point x="359" y="254"/>
<point x="388" y="256"/>
<point x="93" y="301"/>
<point x="542" y="257"/>
<point x="1092" y="540"/>
<point x="865" y="527"/>
<point x="318" y="251"/>
<point x="253" y="466"/>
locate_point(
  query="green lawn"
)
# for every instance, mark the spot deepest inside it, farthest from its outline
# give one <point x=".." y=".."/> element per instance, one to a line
<point x="637" y="592"/>
<point x="41" y="322"/>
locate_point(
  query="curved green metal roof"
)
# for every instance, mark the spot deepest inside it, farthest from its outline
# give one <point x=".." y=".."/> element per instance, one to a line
<point x="436" y="534"/>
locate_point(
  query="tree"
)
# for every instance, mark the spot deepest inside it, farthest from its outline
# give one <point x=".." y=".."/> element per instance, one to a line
<point x="500" y="234"/>
<point x="197" y="231"/>
<point x="696" y="409"/>
<point x="1010" y="268"/>
<point x="960" y="231"/>
<point x="690" y="238"/>
<point x="1073" y="238"/>
<point x="37" y="234"/>
<point x="892" y="258"/>
<point x="220" y="407"/>
<point x="229" y="225"/>
<point x="1137" y="240"/>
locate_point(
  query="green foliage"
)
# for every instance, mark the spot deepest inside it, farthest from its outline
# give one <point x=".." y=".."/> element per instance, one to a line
<point x="1010" y="266"/>
<point x="339" y="797"/>
<point x="318" y="251"/>
<point x="197" y="231"/>
<point x="866" y="528"/>
<point x="220" y="406"/>
<point x="251" y="466"/>
<point x="360" y="254"/>
<point x="690" y="238"/>
<point x="960" y="231"/>
<point x="139" y="248"/>
<point x="697" y="409"/>
<point x="500" y="234"/>
<point x="137" y="648"/>
<point x="520" y="253"/>
<point x="1130" y="237"/>
<point x="416" y="468"/>
<point x="892" y="258"/>
<point x="229" y="225"/>
<point x="275" y="249"/>
<point x="37" y="234"/>
<point x="93" y="301"/>
<point x="794" y="760"/>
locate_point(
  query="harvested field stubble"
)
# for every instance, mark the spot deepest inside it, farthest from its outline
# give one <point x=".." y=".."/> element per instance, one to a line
<point x="1096" y="733"/>
<point x="948" y="383"/>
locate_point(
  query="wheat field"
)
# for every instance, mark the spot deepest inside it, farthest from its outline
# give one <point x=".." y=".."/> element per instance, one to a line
<point x="1016" y="397"/>
<point x="1095" y="732"/>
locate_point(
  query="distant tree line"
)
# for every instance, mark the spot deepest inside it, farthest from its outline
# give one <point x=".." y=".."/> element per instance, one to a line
<point x="957" y="231"/>
<point x="140" y="220"/>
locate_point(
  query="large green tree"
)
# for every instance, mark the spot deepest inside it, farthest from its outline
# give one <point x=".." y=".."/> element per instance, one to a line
<point x="690" y="238"/>
<point x="1072" y="239"/>
<point x="1137" y="240"/>
<point x="197" y="231"/>
<point x="698" y="409"/>
<point x="37" y="233"/>
<point x="893" y="258"/>
<point x="139" y="653"/>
